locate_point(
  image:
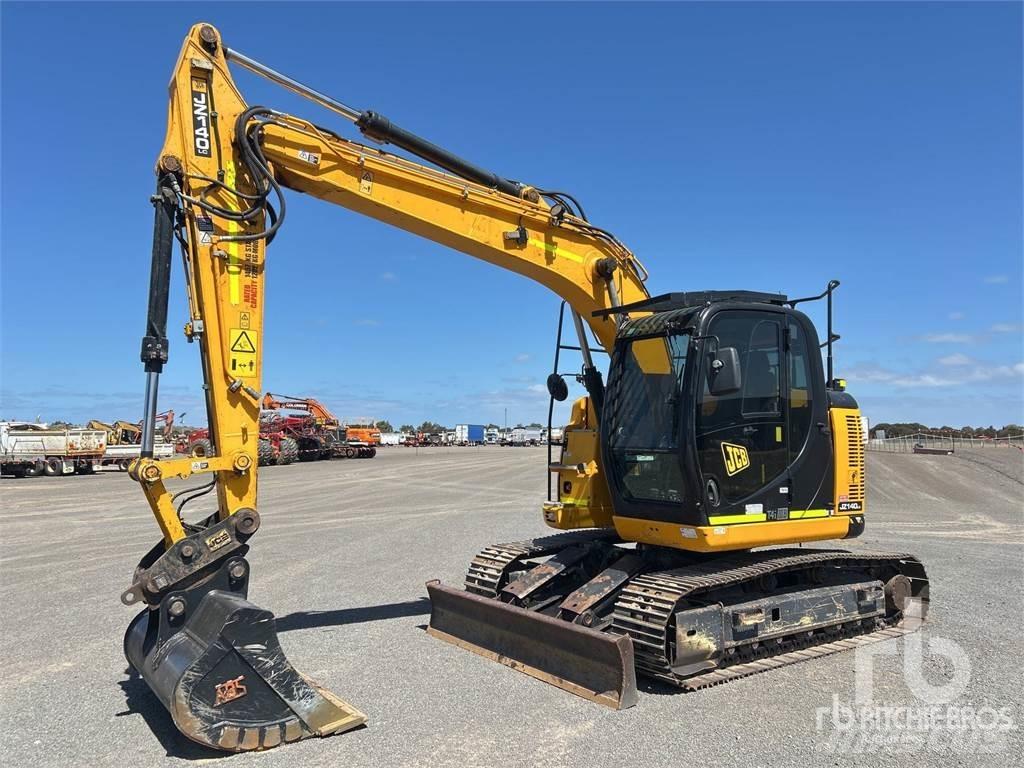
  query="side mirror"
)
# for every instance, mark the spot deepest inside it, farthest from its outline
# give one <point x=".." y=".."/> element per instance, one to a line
<point x="725" y="377"/>
<point x="557" y="387"/>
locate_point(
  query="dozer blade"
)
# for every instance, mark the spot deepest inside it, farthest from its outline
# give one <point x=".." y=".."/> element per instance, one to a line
<point x="225" y="680"/>
<point x="595" y="665"/>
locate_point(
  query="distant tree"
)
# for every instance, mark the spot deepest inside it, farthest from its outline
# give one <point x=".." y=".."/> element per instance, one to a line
<point x="493" y="426"/>
<point x="431" y="426"/>
<point x="407" y="428"/>
<point x="384" y="426"/>
<point x="535" y="425"/>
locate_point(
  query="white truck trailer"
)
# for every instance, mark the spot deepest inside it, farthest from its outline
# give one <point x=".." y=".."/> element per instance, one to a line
<point x="121" y="456"/>
<point x="525" y="436"/>
<point x="555" y="438"/>
<point x="29" y="450"/>
<point x="391" y="438"/>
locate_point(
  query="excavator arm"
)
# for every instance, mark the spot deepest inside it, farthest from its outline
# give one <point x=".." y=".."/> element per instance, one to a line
<point x="221" y="177"/>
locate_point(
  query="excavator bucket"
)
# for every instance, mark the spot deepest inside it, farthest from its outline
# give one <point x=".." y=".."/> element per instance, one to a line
<point x="595" y="665"/>
<point x="224" y="679"/>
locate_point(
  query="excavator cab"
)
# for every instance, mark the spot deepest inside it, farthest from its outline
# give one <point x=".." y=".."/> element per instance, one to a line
<point x="725" y="427"/>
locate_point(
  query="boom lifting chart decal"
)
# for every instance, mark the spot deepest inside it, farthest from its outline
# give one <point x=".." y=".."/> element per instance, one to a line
<point x="242" y="347"/>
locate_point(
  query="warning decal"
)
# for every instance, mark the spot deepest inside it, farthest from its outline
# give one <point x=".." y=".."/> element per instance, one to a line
<point x="242" y="349"/>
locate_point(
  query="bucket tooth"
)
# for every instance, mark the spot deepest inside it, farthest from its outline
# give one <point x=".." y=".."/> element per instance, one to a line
<point x="225" y="679"/>
<point x="595" y="665"/>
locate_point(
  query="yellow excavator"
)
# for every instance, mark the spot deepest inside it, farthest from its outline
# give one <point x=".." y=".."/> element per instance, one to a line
<point x="717" y="437"/>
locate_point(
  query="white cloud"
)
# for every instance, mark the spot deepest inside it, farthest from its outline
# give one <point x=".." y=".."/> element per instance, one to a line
<point x="1006" y="328"/>
<point x="537" y="388"/>
<point x="957" y="315"/>
<point x="964" y="371"/>
<point x="948" y="338"/>
<point x="988" y="373"/>
<point x="924" y="380"/>
<point x="388" y="277"/>
<point x="955" y="359"/>
<point x="996" y="279"/>
<point x="869" y="373"/>
<point x="522" y="357"/>
<point x="367" y="322"/>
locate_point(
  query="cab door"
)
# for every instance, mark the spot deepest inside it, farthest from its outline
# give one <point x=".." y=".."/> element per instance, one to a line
<point x="741" y="437"/>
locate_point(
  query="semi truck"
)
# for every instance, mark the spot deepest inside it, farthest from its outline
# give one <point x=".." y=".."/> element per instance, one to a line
<point x="29" y="450"/>
<point x="469" y="434"/>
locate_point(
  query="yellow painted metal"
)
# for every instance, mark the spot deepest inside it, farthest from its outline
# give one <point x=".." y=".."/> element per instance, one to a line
<point x="722" y="538"/>
<point x="163" y="509"/>
<point x="848" y="442"/>
<point x="584" y="500"/>
<point x="457" y="213"/>
<point x="226" y="278"/>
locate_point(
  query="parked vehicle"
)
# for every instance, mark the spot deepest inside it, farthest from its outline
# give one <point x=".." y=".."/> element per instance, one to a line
<point x="29" y="450"/>
<point x="469" y="434"/>
<point x="491" y="436"/>
<point x="391" y="438"/>
<point x="430" y="439"/>
<point x="121" y="456"/>
<point x="318" y="432"/>
<point x="555" y="438"/>
<point x="526" y="436"/>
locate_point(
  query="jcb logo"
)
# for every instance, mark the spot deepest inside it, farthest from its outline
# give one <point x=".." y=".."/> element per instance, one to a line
<point x="736" y="458"/>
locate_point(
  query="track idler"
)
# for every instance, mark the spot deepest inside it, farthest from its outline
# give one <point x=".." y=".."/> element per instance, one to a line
<point x="214" y="660"/>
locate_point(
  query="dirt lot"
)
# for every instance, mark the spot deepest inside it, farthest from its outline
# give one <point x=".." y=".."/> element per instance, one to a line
<point x="342" y="557"/>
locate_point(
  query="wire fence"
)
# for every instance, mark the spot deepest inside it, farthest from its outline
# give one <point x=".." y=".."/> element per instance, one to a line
<point x="938" y="442"/>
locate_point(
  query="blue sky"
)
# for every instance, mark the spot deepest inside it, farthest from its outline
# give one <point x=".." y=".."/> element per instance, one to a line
<point x="767" y="146"/>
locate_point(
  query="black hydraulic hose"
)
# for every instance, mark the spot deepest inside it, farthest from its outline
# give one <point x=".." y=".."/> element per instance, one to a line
<point x="377" y="127"/>
<point x="567" y="196"/>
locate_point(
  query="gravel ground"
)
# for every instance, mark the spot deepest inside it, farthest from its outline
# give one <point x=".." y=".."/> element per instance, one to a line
<point x="342" y="557"/>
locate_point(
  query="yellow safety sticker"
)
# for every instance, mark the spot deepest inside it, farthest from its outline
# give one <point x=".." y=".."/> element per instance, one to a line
<point x="778" y="434"/>
<point x="556" y="250"/>
<point x="242" y="350"/>
<point x="234" y="264"/>
<point x="730" y="519"/>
